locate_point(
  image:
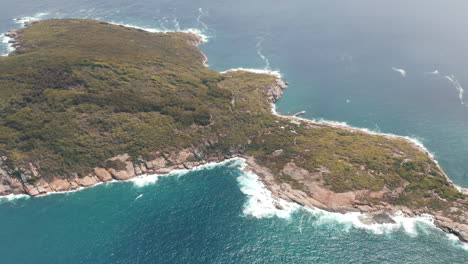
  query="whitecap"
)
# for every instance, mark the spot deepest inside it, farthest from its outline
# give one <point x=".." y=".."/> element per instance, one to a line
<point x="401" y="71"/>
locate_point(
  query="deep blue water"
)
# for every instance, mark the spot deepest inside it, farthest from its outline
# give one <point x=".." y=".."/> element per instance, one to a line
<point x="337" y="57"/>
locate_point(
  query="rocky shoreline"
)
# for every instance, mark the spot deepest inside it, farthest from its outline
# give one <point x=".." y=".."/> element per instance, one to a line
<point x="189" y="158"/>
<point x="26" y="180"/>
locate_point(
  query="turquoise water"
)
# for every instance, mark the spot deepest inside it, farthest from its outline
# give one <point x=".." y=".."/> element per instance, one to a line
<point x="196" y="217"/>
<point x="338" y="57"/>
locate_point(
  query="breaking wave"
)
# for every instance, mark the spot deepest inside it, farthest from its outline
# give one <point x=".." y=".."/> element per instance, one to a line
<point x="262" y="204"/>
<point x="148" y="179"/>
<point x="260" y="201"/>
<point x="5" y="42"/>
<point x="402" y="222"/>
<point x="13" y="197"/>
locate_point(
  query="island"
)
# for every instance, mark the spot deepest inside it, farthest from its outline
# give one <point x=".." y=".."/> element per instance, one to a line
<point x="84" y="102"/>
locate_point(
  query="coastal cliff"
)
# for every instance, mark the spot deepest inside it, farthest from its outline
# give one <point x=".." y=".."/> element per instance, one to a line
<point x="85" y="102"/>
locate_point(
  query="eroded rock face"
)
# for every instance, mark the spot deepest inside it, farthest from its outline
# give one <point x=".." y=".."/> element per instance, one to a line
<point x="157" y="163"/>
<point x="377" y="218"/>
<point x="312" y="194"/>
<point x="102" y="174"/>
<point x="449" y="226"/>
<point x="275" y="91"/>
<point x="123" y="175"/>
<point x="87" y="181"/>
<point x="60" y="185"/>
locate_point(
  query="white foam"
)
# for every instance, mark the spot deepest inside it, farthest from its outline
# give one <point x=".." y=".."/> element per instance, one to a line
<point x="23" y="20"/>
<point x="456" y="241"/>
<point x="145" y="179"/>
<point x="5" y="42"/>
<point x="401" y="71"/>
<point x="262" y="204"/>
<point x="203" y="37"/>
<point x="259" y="52"/>
<point x="260" y="71"/>
<point x="352" y="219"/>
<point x="260" y="201"/>
<point x="13" y="197"/>
<point x="452" y="79"/>
<point x="201" y="14"/>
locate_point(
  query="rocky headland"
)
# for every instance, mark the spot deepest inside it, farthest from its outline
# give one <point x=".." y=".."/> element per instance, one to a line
<point x="315" y="164"/>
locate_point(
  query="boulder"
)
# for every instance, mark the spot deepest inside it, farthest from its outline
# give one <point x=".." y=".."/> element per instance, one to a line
<point x="102" y="174"/>
<point x="60" y="185"/>
<point x="123" y="175"/>
<point x="157" y="163"/>
<point x="86" y="181"/>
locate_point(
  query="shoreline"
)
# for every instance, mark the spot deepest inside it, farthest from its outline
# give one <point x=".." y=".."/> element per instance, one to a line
<point x="413" y="142"/>
<point x="179" y="160"/>
<point x="284" y="206"/>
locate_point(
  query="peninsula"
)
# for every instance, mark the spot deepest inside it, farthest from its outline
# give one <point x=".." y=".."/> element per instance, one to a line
<point x="83" y="102"/>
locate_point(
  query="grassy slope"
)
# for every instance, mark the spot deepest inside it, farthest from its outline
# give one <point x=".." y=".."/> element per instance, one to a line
<point x="79" y="92"/>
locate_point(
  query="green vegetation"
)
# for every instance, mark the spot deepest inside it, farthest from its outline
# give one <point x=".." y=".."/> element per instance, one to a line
<point x="79" y="92"/>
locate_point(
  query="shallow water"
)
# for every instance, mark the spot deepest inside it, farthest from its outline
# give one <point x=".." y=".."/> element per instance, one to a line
<point x="338" y="58"/>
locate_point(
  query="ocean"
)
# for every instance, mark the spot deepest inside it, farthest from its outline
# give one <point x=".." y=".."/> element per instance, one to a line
<point x="393" y="67"/>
